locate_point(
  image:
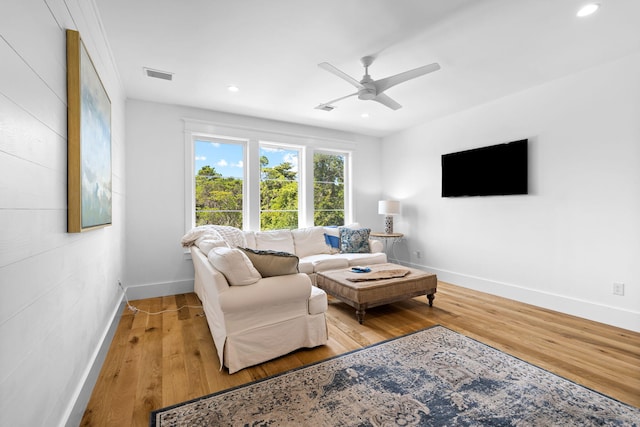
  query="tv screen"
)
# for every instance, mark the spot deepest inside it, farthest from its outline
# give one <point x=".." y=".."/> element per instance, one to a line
<point x="488" y="171"/>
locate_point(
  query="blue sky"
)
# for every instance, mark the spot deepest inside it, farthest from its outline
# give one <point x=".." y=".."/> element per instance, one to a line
<point x="227" y="158"/>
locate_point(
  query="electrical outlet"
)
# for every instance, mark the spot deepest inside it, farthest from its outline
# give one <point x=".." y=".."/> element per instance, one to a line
<point x="618" y="288"/>
<point x="418" y="254"/>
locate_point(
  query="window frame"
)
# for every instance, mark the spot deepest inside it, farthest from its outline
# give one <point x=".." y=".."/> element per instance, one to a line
<point x="221" y="140"/>
<point x="348" y="213"/>
<point x="300" y="176"/>
<point x="195" y="129"/>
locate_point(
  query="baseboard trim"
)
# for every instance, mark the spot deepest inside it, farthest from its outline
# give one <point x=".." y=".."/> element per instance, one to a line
<point x="163" y="289"/>
<point x="77" y="408"/>
<point x="614" y="316"/>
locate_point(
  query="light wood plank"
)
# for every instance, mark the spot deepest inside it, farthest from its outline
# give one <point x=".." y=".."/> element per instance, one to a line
<point x="601" y="357"/>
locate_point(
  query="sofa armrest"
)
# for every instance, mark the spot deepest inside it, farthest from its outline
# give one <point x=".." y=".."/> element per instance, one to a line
<point x="266" y="292"/>
<point x="206" y="277"/>
<point x="376" y="246"/>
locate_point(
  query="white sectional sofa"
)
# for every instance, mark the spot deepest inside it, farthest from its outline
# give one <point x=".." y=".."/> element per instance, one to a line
<point x="256" y="316"/>
<point x="310" y="245"/>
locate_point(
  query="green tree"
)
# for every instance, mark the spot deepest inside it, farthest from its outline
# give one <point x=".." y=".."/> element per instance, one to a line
<point x="328" y="189"/>
<point x="278" y="196"/>
<point x="218" y="198"/>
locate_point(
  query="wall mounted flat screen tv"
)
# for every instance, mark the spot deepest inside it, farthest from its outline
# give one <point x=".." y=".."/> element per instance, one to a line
<point x="488" y="171"/>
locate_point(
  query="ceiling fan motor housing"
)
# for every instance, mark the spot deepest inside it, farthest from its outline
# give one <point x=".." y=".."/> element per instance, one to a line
<point x="369" y="91"/>
<point x="367" y="94"/>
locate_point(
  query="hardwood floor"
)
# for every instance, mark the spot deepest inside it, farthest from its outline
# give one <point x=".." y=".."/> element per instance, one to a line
<point x="159" y="360"/>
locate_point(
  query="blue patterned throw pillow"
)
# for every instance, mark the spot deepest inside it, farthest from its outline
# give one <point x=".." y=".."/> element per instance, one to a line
<point x="354" y="240"/>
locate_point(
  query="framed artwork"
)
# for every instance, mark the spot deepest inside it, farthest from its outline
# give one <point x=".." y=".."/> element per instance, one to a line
<point x="89" y="142"/>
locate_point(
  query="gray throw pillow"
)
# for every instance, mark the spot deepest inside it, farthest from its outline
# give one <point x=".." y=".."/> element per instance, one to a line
<point x="272" y="263"/>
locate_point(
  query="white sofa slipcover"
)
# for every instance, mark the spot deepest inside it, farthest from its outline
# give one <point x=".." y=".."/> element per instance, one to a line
<point x="276" y="315"/>
<point x="310" y="246"/>
<point x="258" y="322"/>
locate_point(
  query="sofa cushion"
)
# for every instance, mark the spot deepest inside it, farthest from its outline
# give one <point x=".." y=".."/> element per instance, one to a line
<point x="305" y="266"/>
<point x="354" y="240"/>
<point x="323" y="262"/>
<point x="234" y="265"/>
<point x="309" y="241"/>
<point x="272" y="263"/>
<point x="275" y="240"/>
<point x="365" y="259"/>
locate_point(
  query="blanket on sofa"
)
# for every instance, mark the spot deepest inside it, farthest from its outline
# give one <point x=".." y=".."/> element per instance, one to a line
<point x="231" y="235"/>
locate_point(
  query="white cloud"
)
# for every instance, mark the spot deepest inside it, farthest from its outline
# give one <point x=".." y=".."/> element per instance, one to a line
<point x="293" y="159"/>
<point x="222" y="163"/>
<point x="240" y="164"/>
<point x="201" y="158"/>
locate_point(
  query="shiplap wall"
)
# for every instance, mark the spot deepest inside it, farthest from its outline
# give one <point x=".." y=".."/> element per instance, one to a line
<point x="58" y="291"/>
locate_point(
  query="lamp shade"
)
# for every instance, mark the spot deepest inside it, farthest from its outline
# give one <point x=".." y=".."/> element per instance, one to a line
<point x="388" y="207"/>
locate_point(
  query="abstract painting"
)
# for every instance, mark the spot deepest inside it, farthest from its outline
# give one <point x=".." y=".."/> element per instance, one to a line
<point x="89" y="142"/>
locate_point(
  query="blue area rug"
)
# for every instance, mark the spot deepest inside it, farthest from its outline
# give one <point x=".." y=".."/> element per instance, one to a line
<point x="434" y="377"/>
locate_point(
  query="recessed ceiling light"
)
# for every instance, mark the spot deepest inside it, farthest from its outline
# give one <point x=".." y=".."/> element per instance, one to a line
<point x="364" y="115"/>
<point x="233" y="88"/>
<point x="588" y="9"/>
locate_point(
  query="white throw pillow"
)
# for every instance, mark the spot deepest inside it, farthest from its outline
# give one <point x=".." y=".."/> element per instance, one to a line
<point x="207" y="244"/>
<point x="309" y="241"/>
<point x="235" y="266"/>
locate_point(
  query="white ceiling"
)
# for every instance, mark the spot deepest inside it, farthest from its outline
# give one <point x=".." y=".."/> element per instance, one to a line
<point x="271" y="49"/>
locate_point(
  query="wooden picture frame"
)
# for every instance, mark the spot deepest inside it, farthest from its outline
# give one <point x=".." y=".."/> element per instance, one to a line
<point x="89" y="142"/>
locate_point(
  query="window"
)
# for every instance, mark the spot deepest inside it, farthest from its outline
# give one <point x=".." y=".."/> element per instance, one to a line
<point x="279" y="187"/>
<point x="219" y="178"/>
<point x="242" y="178"/>
<point x="328" y="188"/>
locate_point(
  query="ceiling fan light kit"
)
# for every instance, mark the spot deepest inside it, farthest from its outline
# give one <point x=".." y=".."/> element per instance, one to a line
<point x="373" y="90"/>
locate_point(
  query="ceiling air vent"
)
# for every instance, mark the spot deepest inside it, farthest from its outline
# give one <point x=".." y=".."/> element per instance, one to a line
<point x="158" y="74"/>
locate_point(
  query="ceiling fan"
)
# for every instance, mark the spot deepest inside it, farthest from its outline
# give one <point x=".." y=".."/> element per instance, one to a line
<point x="369" y="89"/>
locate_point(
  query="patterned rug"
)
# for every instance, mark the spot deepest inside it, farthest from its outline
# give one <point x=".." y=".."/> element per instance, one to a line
<point x="434" y="377"/>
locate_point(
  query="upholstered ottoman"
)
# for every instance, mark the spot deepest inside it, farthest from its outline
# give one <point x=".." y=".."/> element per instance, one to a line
<point x="366" y="290"/>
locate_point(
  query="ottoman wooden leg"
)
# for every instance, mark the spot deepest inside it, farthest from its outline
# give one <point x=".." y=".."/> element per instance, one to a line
<point x="431" y="297"/>
<point x="360" y="315"/>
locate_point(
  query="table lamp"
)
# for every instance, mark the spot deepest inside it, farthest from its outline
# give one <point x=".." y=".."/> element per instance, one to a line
<point x="388" y="208"/>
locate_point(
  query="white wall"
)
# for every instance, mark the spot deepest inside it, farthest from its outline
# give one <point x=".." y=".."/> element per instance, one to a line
<point x="58" y="291"/>
<point x="578" y="231"/>
<point x="155" y="211"/>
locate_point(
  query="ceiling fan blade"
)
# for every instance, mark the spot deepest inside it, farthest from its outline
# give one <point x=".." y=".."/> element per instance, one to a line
<point x="330" y="68"/>
<point x="324" y="105"/>
<point x="384" y="84"/>
<point x="387" y="101"/>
